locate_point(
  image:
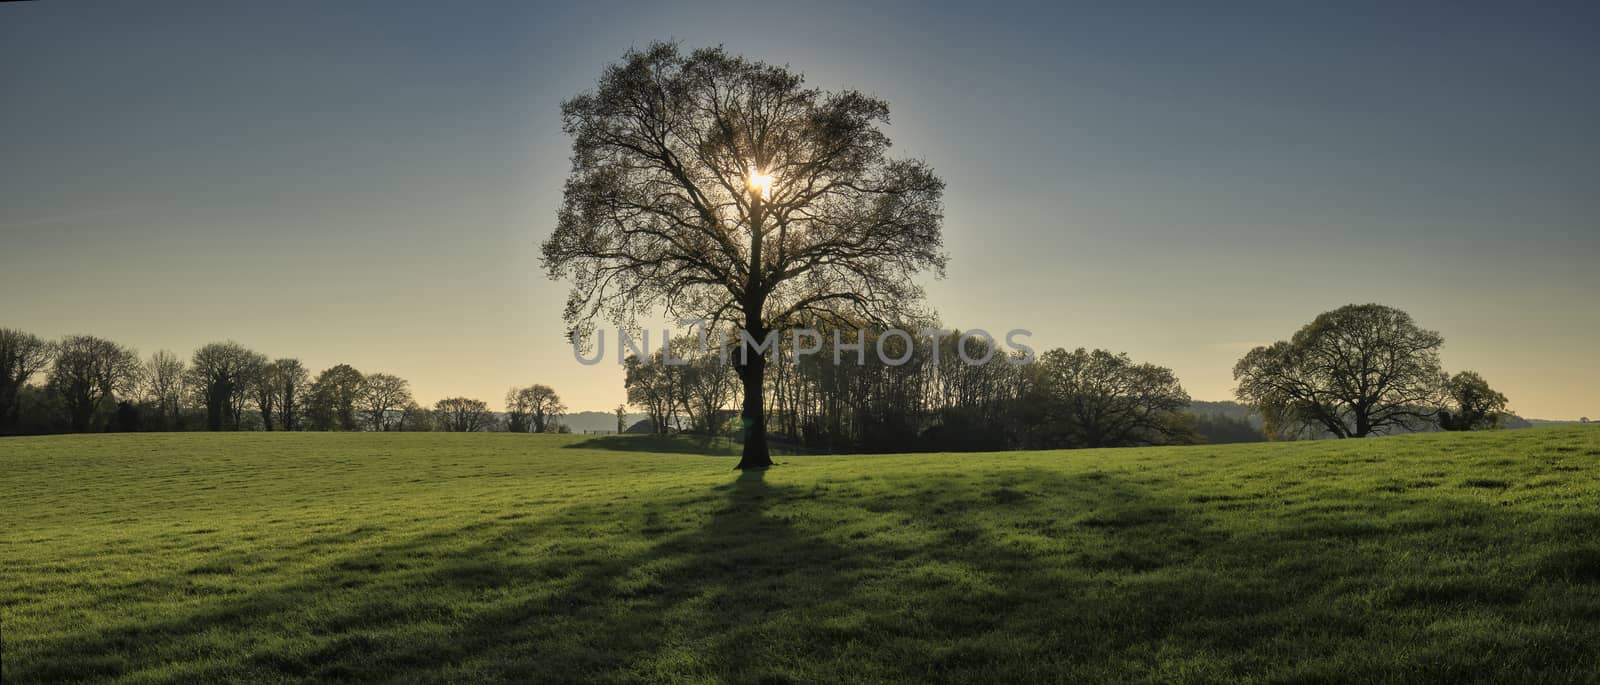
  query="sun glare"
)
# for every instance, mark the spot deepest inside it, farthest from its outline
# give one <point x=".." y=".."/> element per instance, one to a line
<point x="760" y="183"/>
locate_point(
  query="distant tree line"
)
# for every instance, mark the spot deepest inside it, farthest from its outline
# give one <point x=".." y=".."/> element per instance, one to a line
<point x="844" y="398"/>
<point x="90" y="384"/>
<point x="1356" y="371"/>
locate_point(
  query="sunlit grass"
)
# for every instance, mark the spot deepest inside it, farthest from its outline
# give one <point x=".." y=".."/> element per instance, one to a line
<point x="499" y="557"/>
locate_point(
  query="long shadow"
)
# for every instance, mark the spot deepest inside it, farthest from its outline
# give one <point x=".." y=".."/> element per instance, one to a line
<point x="1022" y="575"/>
<point x="675" y="444"/>
<point x="678" y="443"/>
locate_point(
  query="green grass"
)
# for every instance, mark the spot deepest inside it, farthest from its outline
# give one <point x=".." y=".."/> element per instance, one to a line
<point x="495" y="557"/>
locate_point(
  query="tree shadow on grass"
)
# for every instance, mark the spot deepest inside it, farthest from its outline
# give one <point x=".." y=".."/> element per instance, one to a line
<point x="678" y="443"/>
<point x="1013" y="576"/>
<point x="675" y="444"/>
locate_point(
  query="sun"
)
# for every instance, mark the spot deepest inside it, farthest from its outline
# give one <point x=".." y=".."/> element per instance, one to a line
<point x="759" y="183"/>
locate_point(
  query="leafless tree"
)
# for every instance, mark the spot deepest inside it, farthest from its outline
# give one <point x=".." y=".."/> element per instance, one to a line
<point x="534" y="408"/>
<point x="463" y="415"/>
<point x="278" y="389"/>
<point x="651" y="386"/>
<point x="710" y="186"/>
<point x="88" y="372"/>
<point x="163" y="381"/>
<point x="380" y="394"/>
<point x="1354" y="371"/>
<point x="22" y="356"/>
<point x="707" y="388"/>
<point x="416" y="418"/>
<point x="223" y="376"/>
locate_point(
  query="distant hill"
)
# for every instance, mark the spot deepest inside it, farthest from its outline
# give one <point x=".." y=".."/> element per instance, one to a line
<point x="1230" y="409"/>
<point x="596" y="421"/>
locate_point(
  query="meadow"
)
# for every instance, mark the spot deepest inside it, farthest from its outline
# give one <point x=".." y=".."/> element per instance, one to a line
<point x="302" y="557"/>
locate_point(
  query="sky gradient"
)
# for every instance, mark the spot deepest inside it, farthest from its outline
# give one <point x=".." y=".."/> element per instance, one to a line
<point x="369" y="182"/>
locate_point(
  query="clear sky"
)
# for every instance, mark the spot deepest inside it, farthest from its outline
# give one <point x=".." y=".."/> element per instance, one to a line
<point x="369" y="182"/>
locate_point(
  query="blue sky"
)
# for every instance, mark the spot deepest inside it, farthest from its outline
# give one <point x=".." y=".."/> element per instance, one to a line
<point x="369" y="182"/>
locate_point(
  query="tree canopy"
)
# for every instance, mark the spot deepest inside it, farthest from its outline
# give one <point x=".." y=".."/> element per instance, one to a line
<point x="710" y="186"/>
<point x="1353" y="372"/>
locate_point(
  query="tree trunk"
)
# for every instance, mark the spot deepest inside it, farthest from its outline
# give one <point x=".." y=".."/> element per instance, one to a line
<point x="753" y="367"/>
<point x="753" y="417"/>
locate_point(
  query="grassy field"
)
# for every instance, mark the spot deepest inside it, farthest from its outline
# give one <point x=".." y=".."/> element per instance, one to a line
<point x="496" y="557"/>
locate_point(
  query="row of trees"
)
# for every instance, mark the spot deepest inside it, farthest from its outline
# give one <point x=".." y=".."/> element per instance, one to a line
<point x="94" y="384"/>
<point x="1356" y="371"/>
<point x="844" y="399"/>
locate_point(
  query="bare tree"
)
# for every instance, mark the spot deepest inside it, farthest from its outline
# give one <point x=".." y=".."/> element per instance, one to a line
<point x="707" y="185"/>
<point x="416" y="418"/>
<point x="289" y="383"/>
<point x="163" y="380"/>
<point x="534" y="408"/>
<point x="708" y="385"/>
<point x="22" y="356"/>
<point x="516" y="411"/>
<point x="265" y="388"/>
<point x="463" y="415"/>
<point x="649" y="384"/>
<point x="380" y="394"/>
<point x="278" y="388"/>
<point x="1354" y="371"/>
<point x="88" y="372"/>
<point x="223" y="376"/>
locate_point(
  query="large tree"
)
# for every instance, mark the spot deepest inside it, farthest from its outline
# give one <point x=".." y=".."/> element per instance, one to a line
<point x="1356" y="371"/>
<point x="705" y="185"/>
<point x="224" y="375"/>
<point x="88" y="372"/>
<point x="463" y="415"/>
<point x="163" y="381"/>
<point x="22" y="355"/>
<point x="380" y="394"/>
<point x="533" y="409"/>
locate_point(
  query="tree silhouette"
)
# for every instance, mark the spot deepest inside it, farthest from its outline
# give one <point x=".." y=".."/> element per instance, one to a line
<point x="22" y="355"/>
<point x="1100" y="399"/>
<point x="1474" y="405"/>
<point x="533" y="409"/>
<point x="333" y="398"/>
<point x="89" y="371"/>
<point x="709" y="186"/>
<point x="163" y="381"/>
<point x="223" y="376"/>
<point x="463" y="415"/>
<point x="1354" y="371"/>
<point x="379" y="395"/>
